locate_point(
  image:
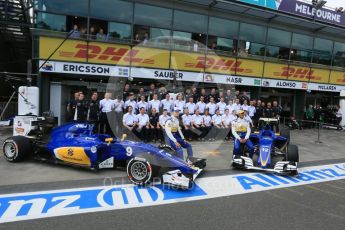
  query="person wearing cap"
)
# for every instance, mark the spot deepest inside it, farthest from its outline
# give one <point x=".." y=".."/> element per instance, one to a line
<point x="241" y="130"/>
<point x="175" y="135"/>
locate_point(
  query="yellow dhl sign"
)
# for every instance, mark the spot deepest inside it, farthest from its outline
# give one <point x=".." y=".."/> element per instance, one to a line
<point x="124" y="55"/>
<point x="73" y="155"/>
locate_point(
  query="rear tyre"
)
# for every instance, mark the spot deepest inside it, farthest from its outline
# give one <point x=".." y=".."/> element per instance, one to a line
<point x="292" y="153"/>
<point x="285" y="133"/>
<point x="139" y="171"/>
<point x="16" y="148"/>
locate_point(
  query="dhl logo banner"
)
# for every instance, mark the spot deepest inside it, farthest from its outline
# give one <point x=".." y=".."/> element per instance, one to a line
<point x="103" y="53"/>
<point x="187" y="61"/>
<point x="296" y="73"/>
<point x="337" y="77"/>
<point x="255" y="68"/>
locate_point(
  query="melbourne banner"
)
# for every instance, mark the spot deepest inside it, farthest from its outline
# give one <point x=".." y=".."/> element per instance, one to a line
<point x="302" y="9"/>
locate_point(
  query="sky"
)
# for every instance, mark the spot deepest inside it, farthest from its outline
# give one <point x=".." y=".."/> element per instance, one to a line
<point x="335" y="3"/>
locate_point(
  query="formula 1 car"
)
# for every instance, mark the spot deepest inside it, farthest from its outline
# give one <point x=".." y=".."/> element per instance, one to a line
<point x="75" y="144"/>
<point x="268" y="146"/>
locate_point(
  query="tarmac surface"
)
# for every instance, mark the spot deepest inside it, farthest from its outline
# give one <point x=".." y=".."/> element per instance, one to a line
<point x="312" y="206"/>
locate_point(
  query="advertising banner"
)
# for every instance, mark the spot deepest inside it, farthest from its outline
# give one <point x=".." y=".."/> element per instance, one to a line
<point x="337" y="77"/>
<point x="275" y="70"/>
<point x="103" y="53"/>
<point x="85" y="69"/>
<point x="309" y="11"/>
<point x="273" y="4"/>
<point x="162" y="74"/>
<point x="187" y="61"/>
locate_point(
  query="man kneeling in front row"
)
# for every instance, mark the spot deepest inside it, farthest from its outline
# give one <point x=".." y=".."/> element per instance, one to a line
<point x="241" y="131"/>
<point x="175" y="135"/>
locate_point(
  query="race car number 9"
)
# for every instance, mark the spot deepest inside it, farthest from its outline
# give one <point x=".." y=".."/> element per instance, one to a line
<point x="129" y="151"/>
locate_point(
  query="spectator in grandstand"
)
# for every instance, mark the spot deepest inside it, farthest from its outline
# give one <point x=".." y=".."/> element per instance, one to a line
<point x="221" y="105"/>
<point x="201" y="105"/>
<point x="187" y="124"/>
<point x="143" y="125"/>
<point x="198" y="126"/>
<point x="211" y="106"/>
<point x="74" y="33"/>
<point x="100" y="35"/>
<point x="190" y="105"/>
<point x="146" y="38"/>
<point x="136" y="38"/>
<point x="92" y="33"/>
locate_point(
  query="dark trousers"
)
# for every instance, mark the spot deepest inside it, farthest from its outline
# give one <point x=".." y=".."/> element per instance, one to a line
<point x="143" y="134"/>
<point x="95" y="125"/>
<point x="187" y="132"/>
<point x="198" y="132"/>
<point x="155" y="134"/>
<point x="104" y="126"/>
<point x="131" y="135"/>
<point x="118" y="123"/>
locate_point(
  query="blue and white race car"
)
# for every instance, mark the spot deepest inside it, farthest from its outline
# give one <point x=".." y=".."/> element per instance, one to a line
<point x="272" y="151"/>
<point x="75" y="144"/>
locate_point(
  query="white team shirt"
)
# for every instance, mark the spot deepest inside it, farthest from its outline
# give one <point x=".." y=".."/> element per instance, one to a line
<point x="167" y="104"/>
<point x="251" y="111"/>
<point x="106" y="105"/>
<point x="143" y="119"/>
<point x="217" y="119"/>
<point x="155" y="104"/>
<point x="191" y="107"/>
<point x="143" y="104"/>
<point x="186" y="119"/>
<point x="230" y="107"/>
<point x="197" y="119"/>
<point x="207" y="120"/>
<point x="221" y="106"/>
<point x="129" y="119"/>
<point x="236" y="107"/>
<point x="163" y="119"/>
<point x="180" y="105"/>
<point x="245" y="107"/>
<point x="211" y="108"/>
<point x="201" y="106"/>
<point x="119" y="104"/>
<point x="132" y="103"/>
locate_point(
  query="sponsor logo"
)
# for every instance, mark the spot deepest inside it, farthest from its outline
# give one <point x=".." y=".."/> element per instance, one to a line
<point x="257" y="82"/>
<point x="341" y="80"/>
<point x="209" y="78"/>
<point x="108" y="163"/>
<point x="168" y="74"/>
<point x="74" y="155"/>
<point x="47" y="67"/>
<point x="116" y="54"/>
<point x="261" y="181"/>
<point x="218" y="64"/>
<point x="80" y="68"/>
<point x="297" y="73"/>
<point x="327" y="87"/>
<point x="304" y="85"/>
<point x="234" y="80"/>
<point x="265" y="83"/>
<point x="45" y="204"/>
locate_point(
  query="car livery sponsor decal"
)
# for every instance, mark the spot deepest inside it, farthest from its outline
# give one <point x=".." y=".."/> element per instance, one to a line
<point x="25" y="206"/>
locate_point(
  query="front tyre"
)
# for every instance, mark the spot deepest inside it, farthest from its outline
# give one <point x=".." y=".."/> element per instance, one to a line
<point x="16" y="148"/>
<point x="292" y="153"/>
<point x="139" y="171"/>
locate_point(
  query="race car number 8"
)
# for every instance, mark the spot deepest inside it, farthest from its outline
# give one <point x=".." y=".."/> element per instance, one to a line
<point x="129" y="151"/>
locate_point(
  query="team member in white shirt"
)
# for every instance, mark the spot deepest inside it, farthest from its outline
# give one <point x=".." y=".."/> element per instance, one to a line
<point x="211" y="106"/>
<point x="251" y="109"/>
<point x="130" y="122"/>
<point x="106" y="106"/>
<point x="119" y="106"/>
<point x="143" y="104"/>
<point x="236" y="106"/>
<point x="207" y="123"/>
<point x="218" y="128"/>
<point x="187" y="124"/>
<point x="198" y="125"/>
<point x="230" y="105"/>
<point x="190" y="106"/>
<point x="245" y="105"/>
<point x="143" y="125"/>
<point x="155" y="103"/>
<point x="221" y="105"/>
<point x="131" y="102"/>
<point x="227" y="119"/>
<point x="247" y="118"/>
<point x="201" y="105"/>
<point x="161" y="124"/>
<point x="167" y="104"/>
<point x="180" y="104"/>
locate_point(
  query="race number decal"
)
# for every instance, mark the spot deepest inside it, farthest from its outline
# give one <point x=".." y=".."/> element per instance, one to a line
<point x="129" y="151"/>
